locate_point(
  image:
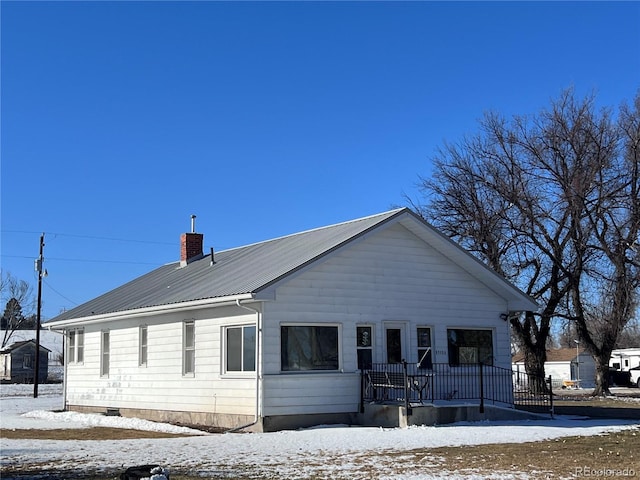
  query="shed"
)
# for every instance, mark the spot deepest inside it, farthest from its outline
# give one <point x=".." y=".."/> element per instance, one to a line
<point x="567" y="367"/>
<point x="277" y="334"/>
<point x="17" y="362"/>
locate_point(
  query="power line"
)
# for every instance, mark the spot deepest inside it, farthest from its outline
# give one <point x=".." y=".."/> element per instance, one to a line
<point x="90" y="237"/>
<point x="66" y="298"/>
<point x="86" y="260"/>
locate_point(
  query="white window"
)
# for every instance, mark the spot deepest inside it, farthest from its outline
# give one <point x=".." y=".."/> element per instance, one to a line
<point x="425" y="359"/>
<point x="75" y="350"/>
<point x="309" y="347"/>
<point x="189" y="348"/>
<point x="104" y="353"/>
<point x="142" y="346"/>
<point x="364" y="346"/>
<point x="241" y="349"/>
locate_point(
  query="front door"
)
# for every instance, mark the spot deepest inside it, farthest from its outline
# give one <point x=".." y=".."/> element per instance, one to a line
<point x="394" y="343"/>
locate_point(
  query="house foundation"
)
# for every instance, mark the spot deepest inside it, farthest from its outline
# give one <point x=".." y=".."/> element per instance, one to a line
<point x="395" y="415"/>
<point x="378" y="415"/>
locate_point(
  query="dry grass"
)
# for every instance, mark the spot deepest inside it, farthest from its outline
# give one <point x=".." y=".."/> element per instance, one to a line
<point x="94" y="433"/>
<point x="561" y="458"/>
<point x="602" y="456"/>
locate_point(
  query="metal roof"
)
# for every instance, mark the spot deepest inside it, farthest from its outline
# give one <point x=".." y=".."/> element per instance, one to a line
<point x="243" y="270"/>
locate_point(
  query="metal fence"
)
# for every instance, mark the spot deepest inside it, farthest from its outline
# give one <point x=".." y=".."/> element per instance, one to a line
<point x="412" y="385"/>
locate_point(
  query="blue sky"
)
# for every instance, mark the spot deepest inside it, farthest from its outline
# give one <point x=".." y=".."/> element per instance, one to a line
<point x="120" y="120"/>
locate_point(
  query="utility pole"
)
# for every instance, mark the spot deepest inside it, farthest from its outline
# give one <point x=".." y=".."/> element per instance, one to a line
<point x="41" y="273"/>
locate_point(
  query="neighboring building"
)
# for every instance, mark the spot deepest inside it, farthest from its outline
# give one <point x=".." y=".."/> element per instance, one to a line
<point x="53" y="342"/>
<point x="565" y="367"/>
<point x="18" y="361"/>
<point x="625" y="359"/>
<point x="274" y="335"/>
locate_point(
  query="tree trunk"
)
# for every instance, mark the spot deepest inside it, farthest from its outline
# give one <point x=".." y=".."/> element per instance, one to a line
<point x="534" y="360"/>
<point x="602" y="375"/>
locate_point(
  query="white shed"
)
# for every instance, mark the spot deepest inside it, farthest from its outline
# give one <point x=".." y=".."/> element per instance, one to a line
<point x="567" y="367"/>
<point x="276" y="334"/>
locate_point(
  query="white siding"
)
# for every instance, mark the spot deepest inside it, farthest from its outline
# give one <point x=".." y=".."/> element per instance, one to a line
<point x="388" y="276"/>
<point x="160" y="384"/>
<point x="391" y="276"/>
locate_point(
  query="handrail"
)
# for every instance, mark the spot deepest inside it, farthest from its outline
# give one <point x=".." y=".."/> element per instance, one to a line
<point x="478" y="383"/>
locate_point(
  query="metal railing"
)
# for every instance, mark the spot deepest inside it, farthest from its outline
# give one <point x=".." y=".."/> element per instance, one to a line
<point x="441" y="383"/>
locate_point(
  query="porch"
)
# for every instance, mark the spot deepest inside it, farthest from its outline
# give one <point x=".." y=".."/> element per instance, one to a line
<point x="405" y="393"/>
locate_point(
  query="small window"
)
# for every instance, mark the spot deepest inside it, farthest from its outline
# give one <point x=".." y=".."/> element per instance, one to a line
<point x="424" y="348"/>
<point x="27" y="361"/>
<point x="75" y="350"/>
<point x="80" y="345"/>
<point x="241" y="349"/>
<point x="189" y="348"/>
<point x="468" y="347"/>
<point x="142" y="347"/>
<point x="364" y="346"/>
<point x="306" y="348"/>
<point x="71" y="347"/>
<point x="104" y="356"/>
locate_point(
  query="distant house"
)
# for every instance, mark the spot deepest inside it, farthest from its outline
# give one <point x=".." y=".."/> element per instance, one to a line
<point x="53" y="341"/>
<point x="276" y="334"/>
<point x="17" y="362"/>
<point x="566" y="367"/>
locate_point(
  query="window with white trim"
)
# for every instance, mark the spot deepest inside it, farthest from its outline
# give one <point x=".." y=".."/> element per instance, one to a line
<point x="468" y="347"/>
<point x="189" y="348"/>
<point x="105" y="349"/>
<point x="241" y="348"/>
<point x="142" y="346"/>
<point x="364" y="346"/>
<point x="309" y="347"/>
<point x="75" y="347"/>
<point x="424" y="348"/>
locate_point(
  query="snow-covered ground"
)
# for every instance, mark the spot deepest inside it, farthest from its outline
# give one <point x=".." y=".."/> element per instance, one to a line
<point x="327" y="452"/>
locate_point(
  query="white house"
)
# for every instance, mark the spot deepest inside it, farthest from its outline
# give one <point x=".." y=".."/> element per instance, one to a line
<point x="275" y="334"/>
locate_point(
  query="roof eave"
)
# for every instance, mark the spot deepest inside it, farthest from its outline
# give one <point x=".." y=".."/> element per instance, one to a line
<point x="148" y="311"/>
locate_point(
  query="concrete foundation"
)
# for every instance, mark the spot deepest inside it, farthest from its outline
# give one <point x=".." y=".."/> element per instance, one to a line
<point x="379" y="415"/>
<point x="396" y="415"/>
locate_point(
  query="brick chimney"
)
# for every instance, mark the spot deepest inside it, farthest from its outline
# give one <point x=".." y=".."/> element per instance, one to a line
<point x="191" y="245"/>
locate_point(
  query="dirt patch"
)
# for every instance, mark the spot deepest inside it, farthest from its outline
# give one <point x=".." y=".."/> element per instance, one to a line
<point x="612" y="455"/>
<point x="605" y="455"/>
<point x="94" y="433"/>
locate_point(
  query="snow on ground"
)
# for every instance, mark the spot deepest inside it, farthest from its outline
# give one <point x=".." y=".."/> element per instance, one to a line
<point x="325" y="452"/>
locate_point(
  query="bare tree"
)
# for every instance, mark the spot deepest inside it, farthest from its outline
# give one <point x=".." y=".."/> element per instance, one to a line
<point x="518" y="195"/>
<point x="20" y="301"/>
<point x="606" y="299"/>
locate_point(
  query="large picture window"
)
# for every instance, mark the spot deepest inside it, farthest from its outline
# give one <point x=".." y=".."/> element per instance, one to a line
<point x="309" y="348"/>
<point x="467" y="347"/>
<point x="241" y="349"/>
